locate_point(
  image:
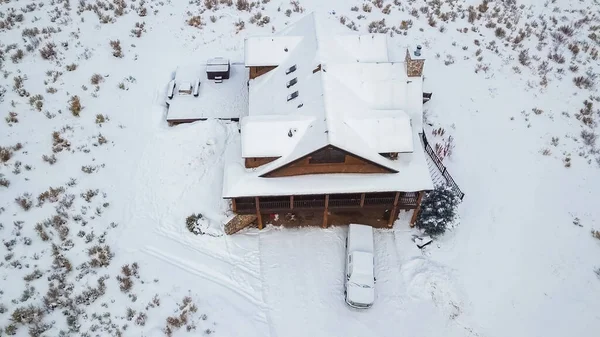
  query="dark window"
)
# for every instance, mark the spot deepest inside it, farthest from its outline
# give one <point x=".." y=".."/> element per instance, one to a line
<point x="290" y="69"/>
<point x="292" y="82"/>
<point x="292" y="96"/>
<point x="390" y="155"/>
<point x="328" y="155"/>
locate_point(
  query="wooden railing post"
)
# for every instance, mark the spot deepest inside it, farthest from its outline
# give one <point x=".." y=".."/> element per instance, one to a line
<point x="413" y="219"/>
<point x="291" y="202"/>
<point x="394" y="211"/>
<point x="362" y="200"/>
<point x="233" y="205"/>
<point x="324" y="225"/>
<point x="258" y="216"/>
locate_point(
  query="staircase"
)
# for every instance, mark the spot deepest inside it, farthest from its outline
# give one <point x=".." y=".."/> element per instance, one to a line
<point x="239" y="222"/>
<point x="439" y="173"/>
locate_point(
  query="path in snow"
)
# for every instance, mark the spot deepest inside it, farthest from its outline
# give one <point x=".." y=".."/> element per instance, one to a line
<point x="178" y="174"/>
<point x="303" y="273"/>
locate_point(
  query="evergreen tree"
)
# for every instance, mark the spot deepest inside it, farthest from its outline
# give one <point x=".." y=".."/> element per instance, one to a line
<point x="438" y="210"/>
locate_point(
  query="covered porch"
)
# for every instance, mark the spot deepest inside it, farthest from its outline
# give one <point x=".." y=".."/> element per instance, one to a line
<point x="333" y="208"/>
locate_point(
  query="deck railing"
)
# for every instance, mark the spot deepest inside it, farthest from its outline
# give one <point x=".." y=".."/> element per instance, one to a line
<point x="405" y="201"/>
<point x="438" y="163"/>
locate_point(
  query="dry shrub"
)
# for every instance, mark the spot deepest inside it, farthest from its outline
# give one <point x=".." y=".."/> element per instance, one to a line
<point x="589" y="137"/>
<point x="48" y="52"/>
<point x="101" y="256"/>
<point x="5" y="154"/>
<point x="195" y="21"/>
<point x="242" y="5"/>
<point x="11" y="118"/>
<point x="59" y="143"/>
<point x="51" y="195"/>
<point x="500" y="33"/>
<point x="49" y="159"/>
<point x="596" y="234"/>
<point x="17" y="56"/>
<point x="75" y="105"/>
<point x="116" y="46"/>
<point x="24" y="201"/>
<point x="71" y="67"/>
<point x="583" y="82"/>
<point x="96" y="79"/>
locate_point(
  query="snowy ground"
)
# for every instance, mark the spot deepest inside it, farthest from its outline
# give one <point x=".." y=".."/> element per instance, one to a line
<point x="522" y="261"/>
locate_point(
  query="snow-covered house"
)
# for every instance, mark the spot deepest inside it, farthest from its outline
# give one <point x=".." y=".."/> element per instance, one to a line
<point x="332" y="133"/>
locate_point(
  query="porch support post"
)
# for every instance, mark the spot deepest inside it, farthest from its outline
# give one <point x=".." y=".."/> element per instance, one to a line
<point x="413" y="219"/>
<point x="393" y="215"/>
<point x="233" y="205"/>
<point x="291" y="202"/>
<point x="258" y="216"/>
<point x="326" y="210"/>
<point x="362" y="200"/>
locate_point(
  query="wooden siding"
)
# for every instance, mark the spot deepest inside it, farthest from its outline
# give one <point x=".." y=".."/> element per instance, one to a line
<point x="260" y="70"/>
<point x="256" y="162"/>
<point x="350" y="164"/>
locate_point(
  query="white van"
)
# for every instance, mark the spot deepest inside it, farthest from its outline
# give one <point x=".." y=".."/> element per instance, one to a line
<point x="359" y="285"/>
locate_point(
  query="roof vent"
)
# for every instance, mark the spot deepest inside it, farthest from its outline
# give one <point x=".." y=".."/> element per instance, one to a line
<point x="418" y="50"/>
<point x="291" y="132"/>
<point x="285" y="49"/>
<point x="292" y="96"/>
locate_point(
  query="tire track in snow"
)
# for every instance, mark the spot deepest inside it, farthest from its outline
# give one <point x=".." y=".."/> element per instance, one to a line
<point x="265" y="299"/>
<point x="204" y="273"/>
<point x="230" y="260"/>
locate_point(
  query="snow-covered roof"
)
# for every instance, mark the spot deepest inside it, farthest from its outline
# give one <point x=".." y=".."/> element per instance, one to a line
<point x="225" y="100"/>
<point x="413" y="175"/>
<point x="268" y="50"/>
<point x="346" y="94"/>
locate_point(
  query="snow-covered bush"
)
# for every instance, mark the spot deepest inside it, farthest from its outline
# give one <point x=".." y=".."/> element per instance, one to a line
<point x="438" y="210"/>
<point x="191" y="222"/>
<point x="200" y="225"/>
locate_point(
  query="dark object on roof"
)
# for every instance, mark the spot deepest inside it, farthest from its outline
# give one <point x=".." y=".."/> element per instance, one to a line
<point x="426" y="97"/>
<point x="218" y="69"/>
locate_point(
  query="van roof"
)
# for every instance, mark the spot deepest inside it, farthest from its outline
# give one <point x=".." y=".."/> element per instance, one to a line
<point x="360" y="238"/>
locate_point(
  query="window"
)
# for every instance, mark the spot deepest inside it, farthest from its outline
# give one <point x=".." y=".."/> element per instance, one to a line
<point x="292" y="96"/>
<point x="390" y="155"/>
<point x="328" y="155"/>
<point x="292" y="82"/>
<point x="290" y="69"/>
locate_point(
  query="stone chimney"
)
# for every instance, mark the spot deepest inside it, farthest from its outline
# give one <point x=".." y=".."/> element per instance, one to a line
<point x="414" y="62"/>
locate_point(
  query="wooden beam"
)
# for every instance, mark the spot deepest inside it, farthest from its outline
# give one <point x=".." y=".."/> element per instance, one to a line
<point x="233" y="205"/>
<point x="413" y="219"/>
<point x="394" y="211"/>
<point x="326" y="210"/>
<point x="291" y="202"/>
<point x="258" y="216"/>
<point x="362" y="200"/>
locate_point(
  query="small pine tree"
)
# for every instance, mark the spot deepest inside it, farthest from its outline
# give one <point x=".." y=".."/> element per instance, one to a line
<point x="438" y="210"/>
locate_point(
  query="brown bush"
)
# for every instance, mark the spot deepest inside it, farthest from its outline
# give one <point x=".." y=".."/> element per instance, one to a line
<point x="116" y="46"/>
<point x="75" y="106"/>
<point x="48" y="52"/>
<point x="96" y="79"/>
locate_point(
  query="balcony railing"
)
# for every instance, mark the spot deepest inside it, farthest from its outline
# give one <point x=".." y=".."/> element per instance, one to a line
<point x="406" y="200"/>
